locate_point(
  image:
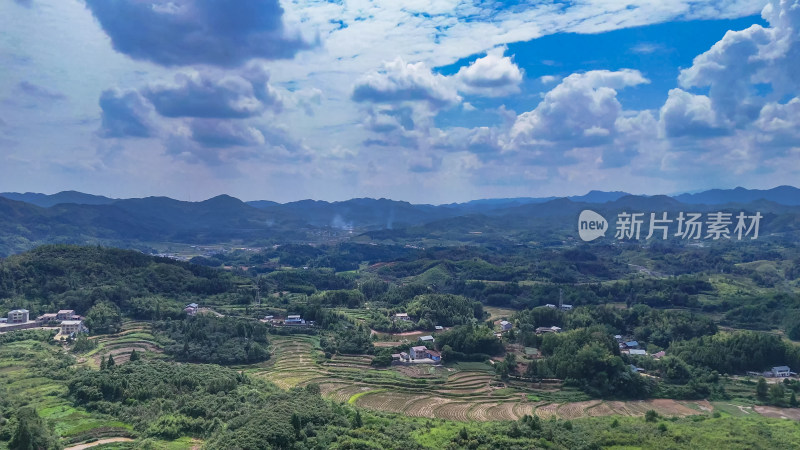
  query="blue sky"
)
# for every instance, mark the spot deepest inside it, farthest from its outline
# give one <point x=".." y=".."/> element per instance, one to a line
<point x="429" y="101"/>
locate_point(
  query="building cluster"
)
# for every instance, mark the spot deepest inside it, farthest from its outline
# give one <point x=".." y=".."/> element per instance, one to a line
<point x="630" y="347"/>
<point x="419" y="354"/>
<point x="543" y="330"/>
<point x="69" y="322"/>
<point x="775" y="372"/>
<point x="561" y="307"/>
<point x="290" y="320"/>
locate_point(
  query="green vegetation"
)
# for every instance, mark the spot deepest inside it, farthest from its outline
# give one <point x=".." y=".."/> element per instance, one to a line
<point x="225" y="379"/>
<point x="206" y="338"/>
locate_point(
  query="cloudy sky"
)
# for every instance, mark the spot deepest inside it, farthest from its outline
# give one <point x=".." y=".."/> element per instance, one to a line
<point x="429" y="101"/>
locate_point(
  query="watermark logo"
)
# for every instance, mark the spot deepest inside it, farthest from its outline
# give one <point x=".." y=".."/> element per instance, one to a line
<point x="591" y="225"/>
<point x="686" y="226"/>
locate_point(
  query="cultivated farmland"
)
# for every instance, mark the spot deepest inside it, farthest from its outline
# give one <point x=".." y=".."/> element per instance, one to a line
<point x="462" y="392"/>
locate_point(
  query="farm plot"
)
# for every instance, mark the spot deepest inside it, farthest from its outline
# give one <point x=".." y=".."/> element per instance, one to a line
<point x="781" y="413"/>
<point x="425" y="407"/>
<point x="134" y="336"/>
<point x="480" y="411"/>
<point x="356" y="361"/>
<point x="667" y="407"/>
<point x="503" y="411"/>
<point x="434" y="392"/>
<point x="388" y="401"/>
<point x="575" y="409"/>
<point x="547" y="411"/>
<point x="292" y="362"/>
<point x="453" y="411"/>
<point x="601" y="409"/>
<point x="328" y="386"/>
<point x="524" y="409"/>
<point x="342" y="395"/>
<point x="465" y="383"/>
<point x="421" y="371"/>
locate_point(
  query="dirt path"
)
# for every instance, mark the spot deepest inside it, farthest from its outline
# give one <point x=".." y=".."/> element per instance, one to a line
<point x="100" y="442"/>
<point x="405" y="333"/>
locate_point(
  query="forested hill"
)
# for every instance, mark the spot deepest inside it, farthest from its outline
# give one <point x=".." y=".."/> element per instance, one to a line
<point x="137" y="223"/>
<point x="55" y="277"/>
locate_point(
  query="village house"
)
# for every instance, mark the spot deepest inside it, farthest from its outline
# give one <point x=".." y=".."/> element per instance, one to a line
<point x="396" y="356"/>
<point x="566" y="307"/>
<point x="438" y="328"/>
<point x="426" y="339"/>
<point x="505" y="325"/>
<point x="659" y="355"/>
<point x="434" y="355"/>
<point x="781" y="371"/>
<point x="69" y="327"/>
<point x="553" y="329"/>
<point x="65" y="314"/>
<point x="637" y="369"/>
<point x="550" y="305"/>
<point x="403" y="356"/>
<point x="418" y="352"/>
<point x="402" y="316"/>
<point x="18" y="316"/>
<point x="45" y="319"/>
<point x="191" y="309"/>
<point x="294" y="319"/>
<point x="637" y="352"/>
<point x="631" y="344"/>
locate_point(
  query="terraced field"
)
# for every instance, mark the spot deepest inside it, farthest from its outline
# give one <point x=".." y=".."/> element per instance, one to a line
<point x="462" y="393"/>
<point x="134" y="335"/>
<point x="21" y="364"/>
<point x="293" y="361"/>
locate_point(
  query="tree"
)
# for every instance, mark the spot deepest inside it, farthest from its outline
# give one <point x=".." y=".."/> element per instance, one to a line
<point x="83" y="344"/>
<point x="134" y="356"/>
<point x="650" y="416"/>
<point x="358" y="422"/>
<point x="32" y="433"/>
<point x="111" y="362"/>
<point x="296" y="424"/>
<point x="793" y="401"/>
<point x="104" y="317"/>
<point x="777" y="394"/>
<point x="103" y="364"/>
<point x="761" y="388"/>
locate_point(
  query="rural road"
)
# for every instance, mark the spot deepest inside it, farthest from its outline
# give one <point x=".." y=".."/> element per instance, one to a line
<point x="100" y="442"/>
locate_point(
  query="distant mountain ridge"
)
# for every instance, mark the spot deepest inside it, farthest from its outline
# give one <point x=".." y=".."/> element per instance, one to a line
<point x="46" y="201"/>
<point x="784" y="195"/>
<point x="125" y="222"/>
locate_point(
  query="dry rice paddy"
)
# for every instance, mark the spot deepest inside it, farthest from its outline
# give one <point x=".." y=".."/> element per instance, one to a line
<point x="457" y="395"/>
